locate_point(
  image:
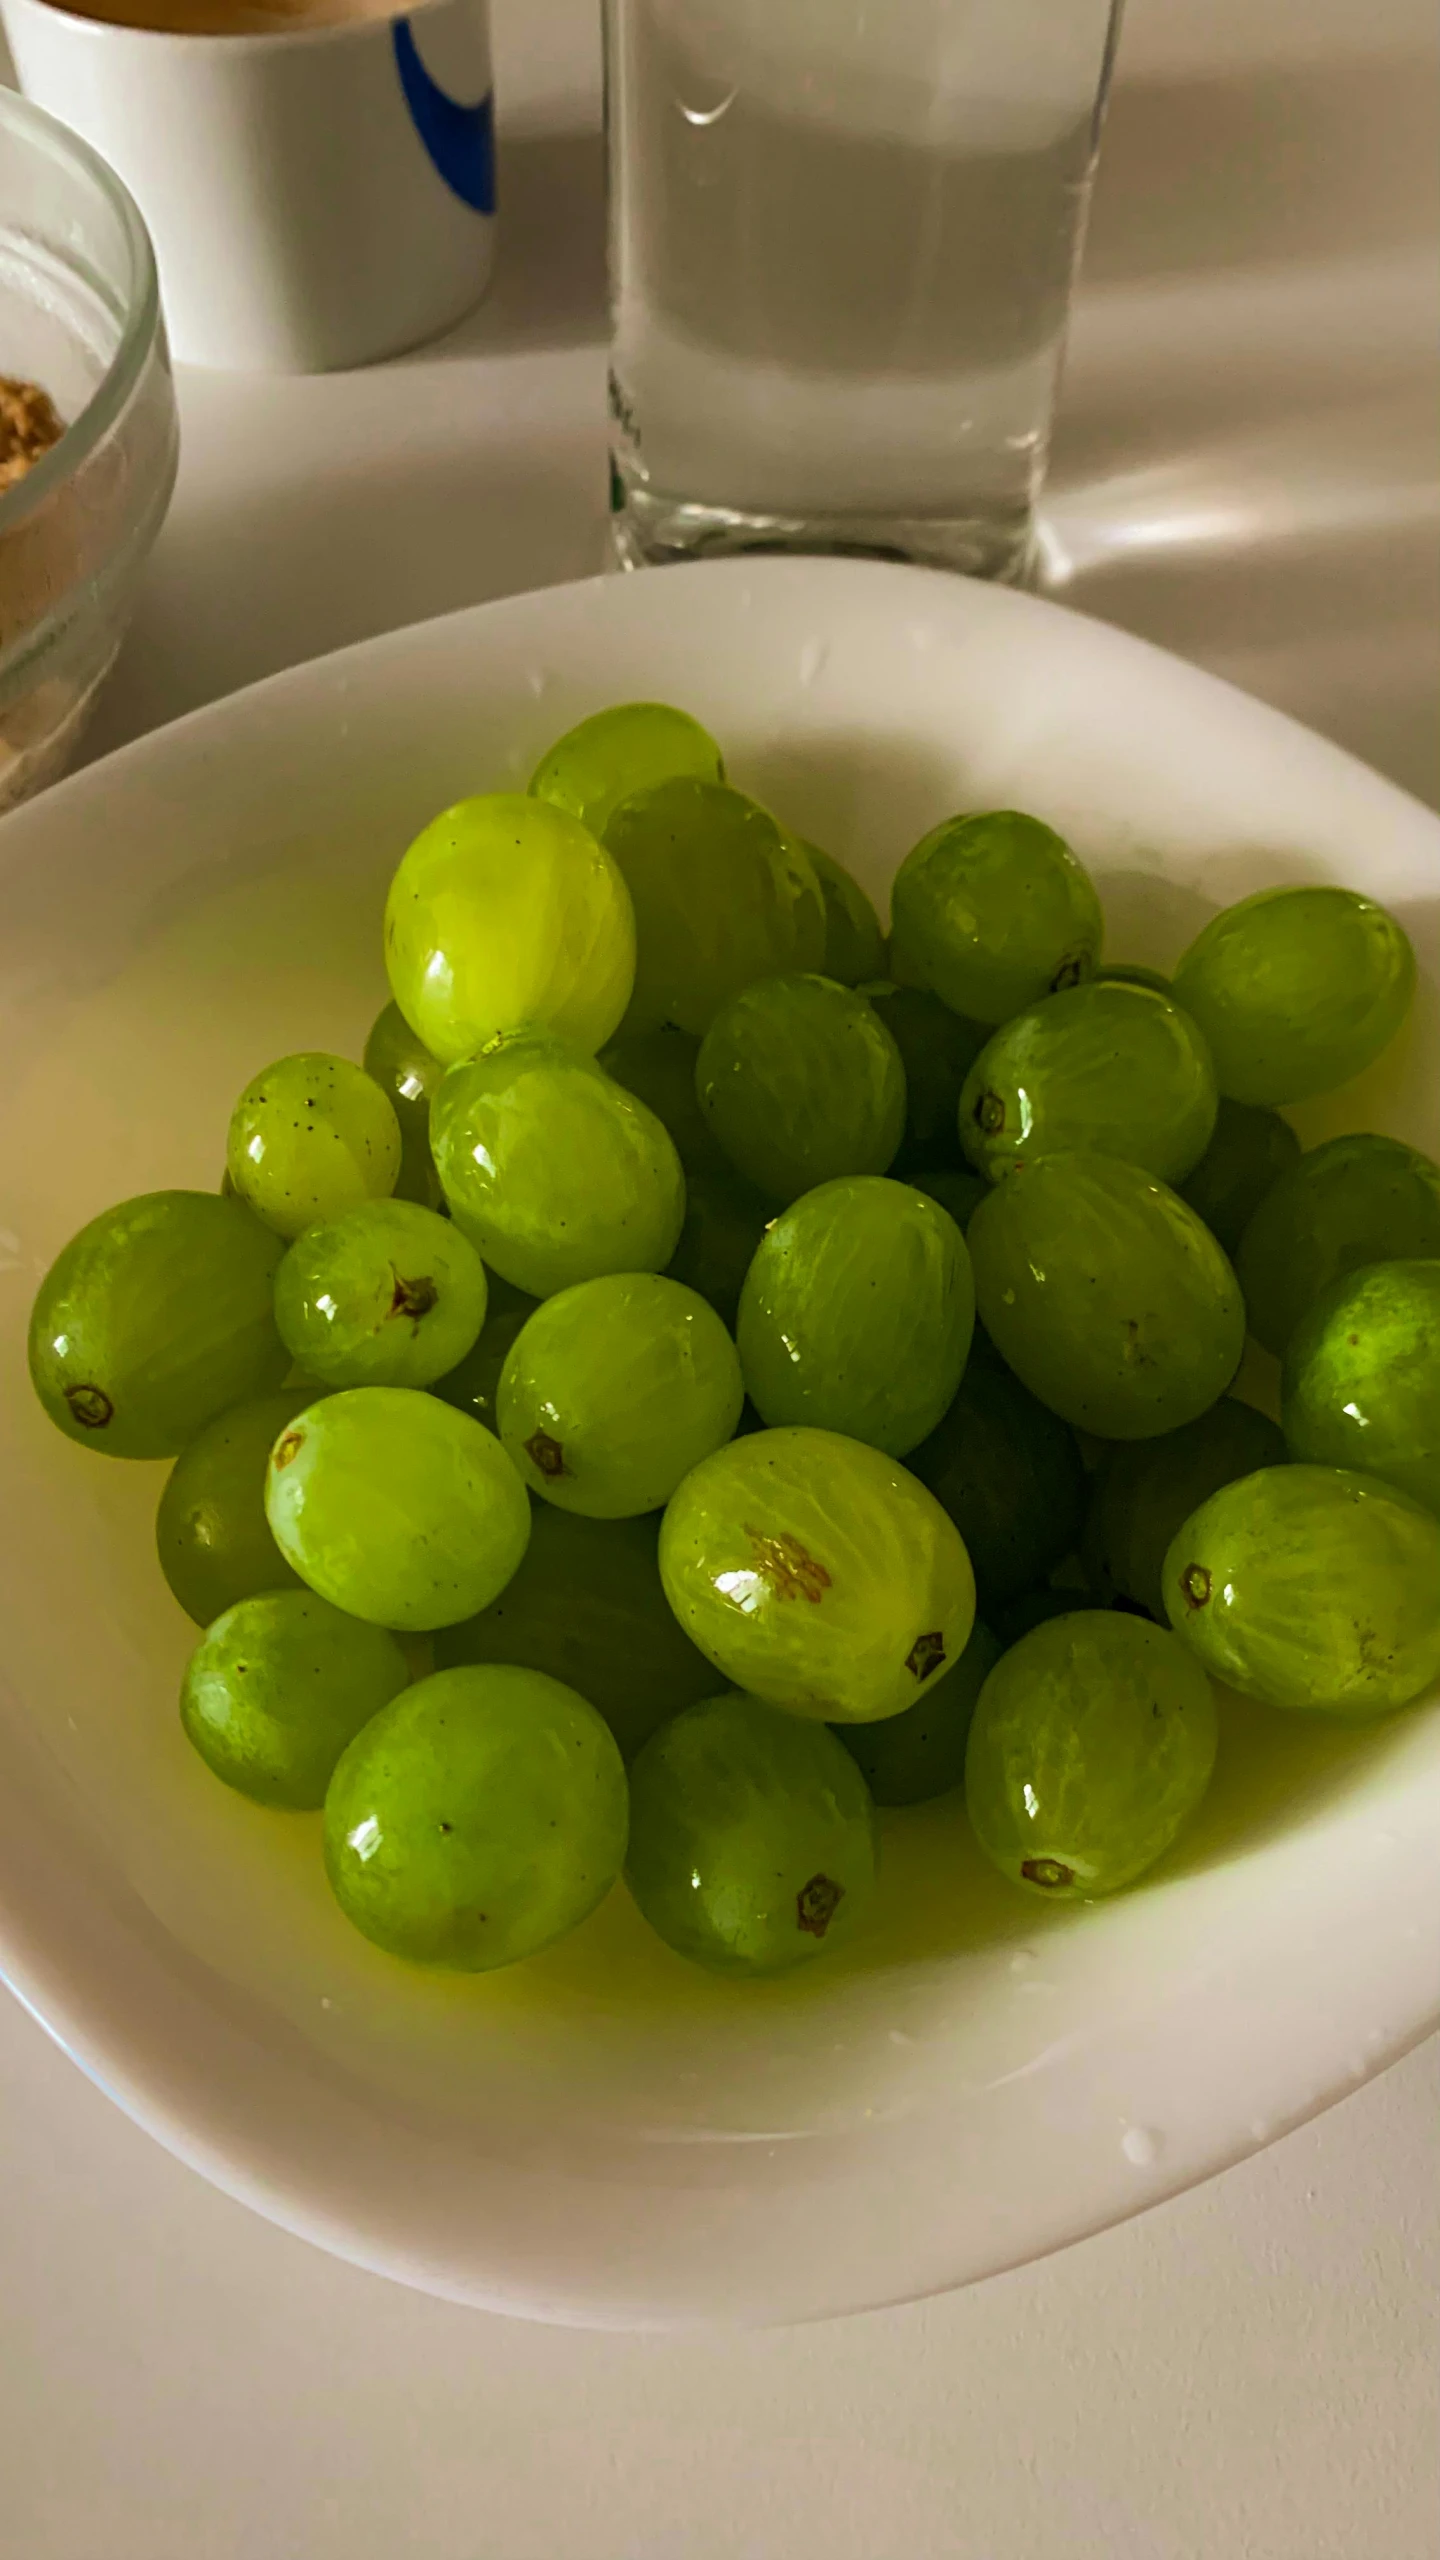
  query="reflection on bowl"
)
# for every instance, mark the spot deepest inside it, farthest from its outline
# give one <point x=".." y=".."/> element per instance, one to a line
<point x="80" y="317"/>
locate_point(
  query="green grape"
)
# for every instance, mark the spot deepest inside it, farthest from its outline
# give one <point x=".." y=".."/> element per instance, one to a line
<point x="658" y="1067"/>
<point x="854" y="943"/>
<point x="626" y="749"/>
<point x="993" y="912"/>
<point x="937" y="1049"/>
<point x="817" y="1574"/>
<point x="920" y="1753"/>
<point x="752" y="1838"/>
<point x="959" y="1192"/>
<point x="389" y="1295"/>
<point x="1009" y="1474"/>
<point x="1146" y="1490"/>
<point x="1091" y="1746"/>
<point x="396" y="1507"/>
<point x="801" y="1082"/>
<point x="1296" y="990"/>
<point x="153" y="1319"/>
<point x="586" y="1604"/>
<point x="404" y="1069"/>
<point x="214" y="1539"/>
<point x="309" y="1138"/>
<point x="1362" y="1378"/>
<point x="614" y="1390"/>
<point x="725" y="1219"/>
<point x="473" y="1385"/>
<point x="1355" y="1200"/>
<point x="506" y="915"/>
<point x="278" y="1686"/>
<point x="1312" y="1588"/>
<point x="1250" y="1150"/>
<point x="857" y="1313"/>
<point x="1106" y="1295"/>
<point x="1133" y="973"/>
<point x="477" y="1818"/>
<point x="1114" y="1068"/>
<point x="553" y="1170"/>
<point x="722" y="896"/>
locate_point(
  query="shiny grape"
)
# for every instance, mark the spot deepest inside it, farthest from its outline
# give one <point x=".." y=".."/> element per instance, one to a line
<point x="614" y="1390"/>
<point x="387" y="1295"/>
<point x="722" y="896"/>
<point x="213" y="1537"/>
<point x="801" y="1082"/>
<point x="817" y="1574"/>
<point x="1362" y="1377"/>
<point x="1092" y="1744"/>
<point x="506" y="915"/>
<point x="1355" y="1200"/>
<point x="1106" y="1295"/>
<point x="396" y="1507"/>
<point x="278" y="1686"/>
<point x="555" y="1171"/>
<point x="477" y="1818"/>
<point x="993" y="912"/>
<point x="628" y="748"/>
<point x="752" y="1838"/>
<point x="155" y="1318"/>
<point x="1296" y="990"/>
<point x="1311" y="1588"/>
<point x="857" y="1313"/>
<point x="309" y="1138"/>
<point x="1108" y="1066"/>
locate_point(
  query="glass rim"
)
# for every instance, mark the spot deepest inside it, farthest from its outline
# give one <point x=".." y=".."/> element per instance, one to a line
<point x="139" y="309"/>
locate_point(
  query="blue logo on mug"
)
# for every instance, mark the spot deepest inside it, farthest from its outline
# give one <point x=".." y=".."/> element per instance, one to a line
<point x="459" y="139"/>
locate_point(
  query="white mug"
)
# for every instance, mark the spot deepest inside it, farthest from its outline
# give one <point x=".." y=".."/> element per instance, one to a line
<point x="318" y="196"/>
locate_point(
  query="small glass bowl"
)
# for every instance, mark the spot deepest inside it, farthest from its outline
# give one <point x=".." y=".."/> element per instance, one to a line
<point x="80" y="316"/>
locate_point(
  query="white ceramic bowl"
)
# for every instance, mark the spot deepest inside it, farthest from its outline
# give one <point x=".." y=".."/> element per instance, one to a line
<point x="603" y="2135"/>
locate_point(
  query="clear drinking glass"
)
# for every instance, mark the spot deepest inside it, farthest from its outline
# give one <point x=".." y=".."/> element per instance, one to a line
<point x="842" y="240"/>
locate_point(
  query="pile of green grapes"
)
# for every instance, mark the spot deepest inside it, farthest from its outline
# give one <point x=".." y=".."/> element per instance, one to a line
<point x="587" y="1455"/>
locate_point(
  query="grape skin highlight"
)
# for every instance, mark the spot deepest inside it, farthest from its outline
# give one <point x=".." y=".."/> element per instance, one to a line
<point x="1296" y="990"/>
<point x="1112" y="1067"/>
<point x="311" y="1137"/>
<point x="801" y="1083"/>
<point x="278" y="1686"/>
<point x="992" y="913"/>
<point x="387" y="1295"/>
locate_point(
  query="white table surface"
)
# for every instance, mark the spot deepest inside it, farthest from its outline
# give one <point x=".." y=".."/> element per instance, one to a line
<point x="1250" y="2372"/>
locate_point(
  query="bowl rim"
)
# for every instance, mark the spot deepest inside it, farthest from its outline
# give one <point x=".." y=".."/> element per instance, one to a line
<point x="23" y="122"/>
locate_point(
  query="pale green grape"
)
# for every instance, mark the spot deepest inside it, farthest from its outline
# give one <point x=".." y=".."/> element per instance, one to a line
<point x="553" y="1170"/>
<point x="817" y="1574"/>
<point x="626" y="749"/>
<point x="1362" y="1377"/>
<point x="388" y="1295"/>
<point x="1091" y="1746"/>
<point x="507" y="915"/>
<point x="658" y="1067"/>
<point x="1008" y="1472"/>
<point x="213" y="1537"/>
<point x="857" y="1313"/>
<point x="725" y="1219"/>
<point x="155" y="1318"/>
<point x="993" y="912"/>
<point x="1249" y="1151"/>
<point x="854" y="942"/>
<point x="801" y="1082"/>
<point x="614" y="1390"/>
<point x="309" y="1138"/>
<point x="1296" y="990"/>
<point x="278" y="1686"/>
<point x="722" y="896"/>
<point x="477" y="1818"/>
<point x="1109" y="1066"/>
<point x="1106" y="1295"/>
<point x="1146" y="1490"/>
<point x="1355" y="1200"/>
<point x="587" y="1605"/>
<point x="752" y="1838"/>
<point x="404" y="1069"/>
<point x="907" y="1759"/>
<point x="1312" y="1588"/>
<point x="937" y="1049"/>
<point x="396" y="1507"/>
